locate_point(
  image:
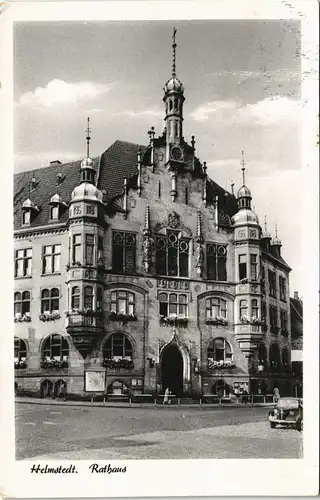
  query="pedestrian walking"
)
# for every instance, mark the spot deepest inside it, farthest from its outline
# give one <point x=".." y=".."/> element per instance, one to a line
<point x="166" y="399"/>
<point x="63" y="391"/>
<point x="276" y="394"/>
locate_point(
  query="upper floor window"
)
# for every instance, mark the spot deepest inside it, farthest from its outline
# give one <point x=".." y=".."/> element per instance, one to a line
<point x="216" y="262"/>
<point x="282" y="288"/>
<point x="172" y="255"/>
<point x="89" y="249"/>
<point x="76" y="248"/>
<point x="123" y="252"/>
<point x="75" y="298"/>
<point x="263" y="277"/>
<point x="21" y="304"/>
<point x="122" y="302"/>
<point x="254" y="308"/>
<point x="50" y="300"/>
<point x="54" y="212"/>
<point x="284" y="320"/>
<point x="219" y="350"/>
<point x="216" y="307"/>
<point x="173" y="303"/>
<point x="263" y="310"/>
<point x="51" y="259"/>
<point x="243" y="273"/>
<point x="243" y="309"/>
<point x="253" y="267"/>
<point x="100" y="250"/>
<point x="272" y="283"/>
<point x="273" y="313"/>
<point x="23" y="262"/>
<point x="88" y="297"/>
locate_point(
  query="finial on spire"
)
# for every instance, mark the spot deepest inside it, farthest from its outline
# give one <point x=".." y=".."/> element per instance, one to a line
<point x="174" y="45"/>
<point x="88" y="136"/>
<point x="243" y="167"/>
<point x="232" y="187"/>
<point x="265" y="223"/>
<point x="276" y="230"/>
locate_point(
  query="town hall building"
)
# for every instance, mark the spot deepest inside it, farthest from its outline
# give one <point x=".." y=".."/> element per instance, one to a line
<point x="136" y="272"/>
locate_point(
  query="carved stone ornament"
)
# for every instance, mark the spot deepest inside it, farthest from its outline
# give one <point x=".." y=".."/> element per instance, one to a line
<point x="174" y="220"/>
<point x="147" y="253"/>
<point x="200" y="258"/>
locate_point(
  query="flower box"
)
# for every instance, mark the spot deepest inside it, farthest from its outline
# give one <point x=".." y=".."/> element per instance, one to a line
<point x="53" y="364"/>
<point x="118" y="363"/>
<point x="173" y="319"/>
<point x="49" y="317"/>
<point x="20" y="365"/>
<point x="214" y="365"/>
<point x="114" y="316"/>
<point x="22" y="318"/>
<point x="218" y="320"/>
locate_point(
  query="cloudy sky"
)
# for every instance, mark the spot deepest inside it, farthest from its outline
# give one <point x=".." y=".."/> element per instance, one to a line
<point x="242" y="89"/>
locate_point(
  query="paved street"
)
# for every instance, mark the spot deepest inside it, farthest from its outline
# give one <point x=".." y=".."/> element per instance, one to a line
<point x="79" y="432"/>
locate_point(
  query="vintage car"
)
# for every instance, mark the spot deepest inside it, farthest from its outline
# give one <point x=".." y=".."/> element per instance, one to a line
<point x="287" y="412"/>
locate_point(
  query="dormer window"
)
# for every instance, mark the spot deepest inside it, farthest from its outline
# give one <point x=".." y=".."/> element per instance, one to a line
<point x="56" y="206"/>
<point x="54" y="213"/>
<point x="28" y="210"/>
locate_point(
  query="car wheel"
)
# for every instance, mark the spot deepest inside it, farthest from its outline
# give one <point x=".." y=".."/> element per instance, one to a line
<point x="272" y="425"/>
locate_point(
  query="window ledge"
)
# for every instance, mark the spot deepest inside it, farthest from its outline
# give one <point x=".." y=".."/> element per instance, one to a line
<point x="50" y="274"/>
<point x="22" y="277"/>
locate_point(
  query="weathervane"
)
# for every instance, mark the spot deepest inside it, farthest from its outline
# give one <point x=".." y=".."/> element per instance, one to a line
<point x="88" y="137"/>
<point x="174" y="45"/>
<point x="243" y="167"/>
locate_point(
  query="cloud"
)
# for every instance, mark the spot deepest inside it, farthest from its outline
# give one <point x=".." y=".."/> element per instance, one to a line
<point x="60" y="92"/>
<point x="269" y="111"/>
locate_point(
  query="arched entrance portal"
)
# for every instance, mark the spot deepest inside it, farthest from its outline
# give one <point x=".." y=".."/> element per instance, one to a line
<point x="172" y="370"/>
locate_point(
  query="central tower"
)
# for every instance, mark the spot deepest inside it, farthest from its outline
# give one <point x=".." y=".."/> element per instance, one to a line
<point x="173" y="99"/>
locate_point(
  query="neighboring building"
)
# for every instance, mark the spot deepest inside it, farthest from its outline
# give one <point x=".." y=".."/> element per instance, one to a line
<point x="296" y="307"/>
<point x="137" y="264"/>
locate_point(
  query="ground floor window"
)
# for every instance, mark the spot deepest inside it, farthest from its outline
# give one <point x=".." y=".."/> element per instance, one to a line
<point x="20" y="353"/>
<point x="220" y="389"/>
<point x="117" y="388"/>
<point x="55" y="351"/>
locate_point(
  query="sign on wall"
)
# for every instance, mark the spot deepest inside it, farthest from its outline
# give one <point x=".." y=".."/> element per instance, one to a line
<point x="94" y="381"/>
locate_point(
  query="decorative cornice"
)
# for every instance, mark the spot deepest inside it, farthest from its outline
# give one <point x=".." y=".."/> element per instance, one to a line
<point x="39" y="231"/>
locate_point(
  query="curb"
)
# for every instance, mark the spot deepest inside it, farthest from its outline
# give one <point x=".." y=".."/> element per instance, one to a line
<point x="49" y="402"/>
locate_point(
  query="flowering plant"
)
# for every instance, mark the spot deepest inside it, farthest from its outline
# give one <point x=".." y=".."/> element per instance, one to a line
<point x="20" y="364"/>
<point x="115" y="363"/>
<point x="212" y="364"/>
<point x="173" y="319"/>
<point x="22" y="318"/>
<point x="114" y="316"/>
<point x="53" y="363"/>
<point x="217" y="320"/>
<point x="49" y="316"/>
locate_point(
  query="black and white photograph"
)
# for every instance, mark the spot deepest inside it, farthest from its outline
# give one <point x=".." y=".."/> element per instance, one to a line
<point x="160" y="265"/>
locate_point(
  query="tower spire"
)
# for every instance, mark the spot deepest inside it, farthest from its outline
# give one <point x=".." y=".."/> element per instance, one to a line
<point x="243" y="167"/>
<point x="265" y="223"/>
<point x="174" y="45"/>
<point x="276" y="230"/>
<point x="88" y="136"/>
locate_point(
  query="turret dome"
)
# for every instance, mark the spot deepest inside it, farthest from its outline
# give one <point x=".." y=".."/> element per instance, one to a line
<point x="87" y="163"/>
<point x="173" y="84"/>
<point x="245" y="216"/>
<point x="86" y="191"/>
<point x="244" y="192"/>
<point x="276" y="241"/>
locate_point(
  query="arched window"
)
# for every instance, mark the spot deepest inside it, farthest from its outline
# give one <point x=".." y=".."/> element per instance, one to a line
<point x="220" y="389"/>
<point x="118" y="346"/>
<point x="75" y="297"/>
<point x="254" y="308"/>
<point x="219" y="350"/>
<point x="172" y="255"/>
<point x="173" y="303"/>
<point x="122" y="302"/>
<point x="88" y="297"/>
<point x="21" y="304"/>
<point x="20" y="353"/>
<point x="216" y="307"/>
<point x="274" y="357"/>
<point x="55" y="348"/>
<point x="243" y="309"/>
<point x="50" y="300"/>
<point x="285" y="358"/>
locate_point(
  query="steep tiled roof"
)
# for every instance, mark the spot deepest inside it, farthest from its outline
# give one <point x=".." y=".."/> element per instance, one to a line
<point x="117" y="162"/>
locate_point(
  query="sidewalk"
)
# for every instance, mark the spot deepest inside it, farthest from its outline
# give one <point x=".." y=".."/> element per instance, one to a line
<point x="56" y="402"/>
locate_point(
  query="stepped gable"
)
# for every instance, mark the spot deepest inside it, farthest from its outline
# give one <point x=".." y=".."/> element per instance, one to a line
<point x="117" y="162"/>
<point x="46" y="186"/>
